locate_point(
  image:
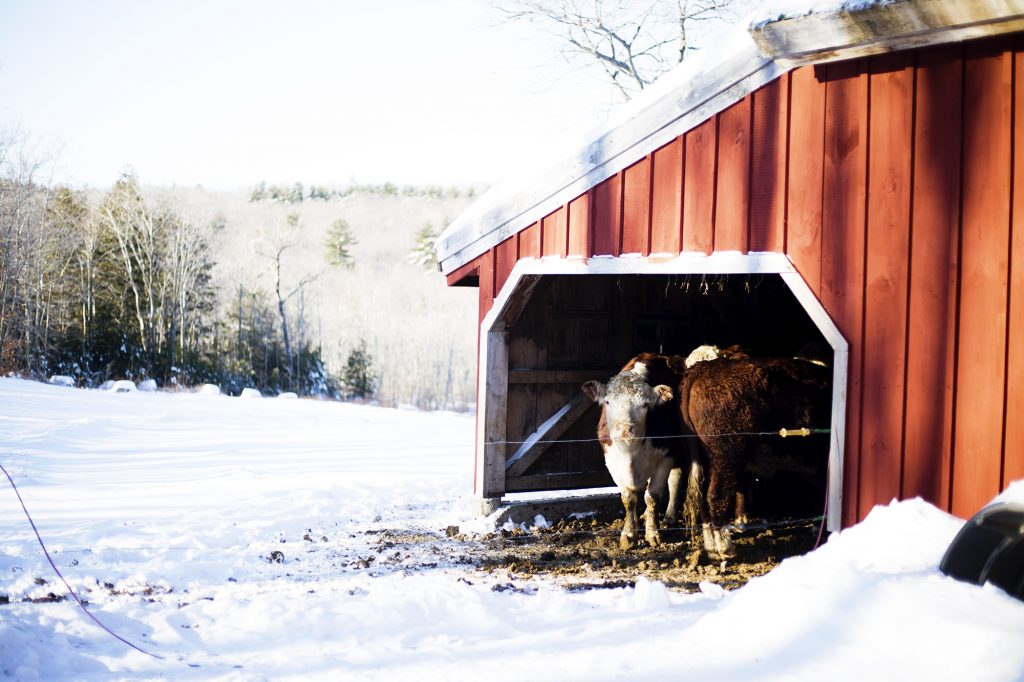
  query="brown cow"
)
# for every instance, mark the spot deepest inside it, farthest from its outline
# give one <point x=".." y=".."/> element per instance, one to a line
<point x="726" y="400"/>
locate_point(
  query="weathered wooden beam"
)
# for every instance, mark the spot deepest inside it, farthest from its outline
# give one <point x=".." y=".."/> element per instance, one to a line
<point x="562" y="481"/>
<point x="518" y="300"/>
<point x="495" y="415"/>
<point x="541" y="439"/>
<point x="558" y="376"/>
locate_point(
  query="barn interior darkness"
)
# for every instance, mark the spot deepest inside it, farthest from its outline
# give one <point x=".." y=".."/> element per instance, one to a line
<point x="578" y="327"/>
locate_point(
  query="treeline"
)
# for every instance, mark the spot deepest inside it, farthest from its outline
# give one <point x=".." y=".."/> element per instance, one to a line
<point x="297" y="192"/>
<point x="121" y="287"/>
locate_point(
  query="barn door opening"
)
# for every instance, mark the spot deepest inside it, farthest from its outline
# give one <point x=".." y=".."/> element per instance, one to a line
<point x="557" y="324"/>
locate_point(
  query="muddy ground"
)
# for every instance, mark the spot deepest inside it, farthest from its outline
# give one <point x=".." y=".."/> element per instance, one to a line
<point x="573" y="554"/>
<point x="583" y="554"/>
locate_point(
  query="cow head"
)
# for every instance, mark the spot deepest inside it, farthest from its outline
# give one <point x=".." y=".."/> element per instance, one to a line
<point x="625" y="401"/>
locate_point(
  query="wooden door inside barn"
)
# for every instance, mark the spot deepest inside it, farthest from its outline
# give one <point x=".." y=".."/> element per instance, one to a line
<point x="579" y="327"/>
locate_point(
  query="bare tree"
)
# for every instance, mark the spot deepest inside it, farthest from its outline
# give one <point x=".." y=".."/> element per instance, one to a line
<point x="187" y="270"/>
<point x="631" y="41"/>
<point x="126" y="217"/>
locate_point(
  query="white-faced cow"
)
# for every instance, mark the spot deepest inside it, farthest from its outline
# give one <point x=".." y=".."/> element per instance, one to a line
<point x="638" y="420"/>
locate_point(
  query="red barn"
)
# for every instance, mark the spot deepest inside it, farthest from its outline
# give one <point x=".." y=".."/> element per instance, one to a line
<point x="852" y="181"/>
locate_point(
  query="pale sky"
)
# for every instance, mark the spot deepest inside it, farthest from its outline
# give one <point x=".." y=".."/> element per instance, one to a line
<point x="226" y="93"/>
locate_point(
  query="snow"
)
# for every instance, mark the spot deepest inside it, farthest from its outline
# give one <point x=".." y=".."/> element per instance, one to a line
<point x="177" y="500"/>
<point x="121" y="386"/>
<point x="779" y="10"/>
<point x="148" y="385"/>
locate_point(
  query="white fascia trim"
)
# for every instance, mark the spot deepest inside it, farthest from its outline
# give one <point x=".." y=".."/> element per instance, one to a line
<point x="718" y="263"/>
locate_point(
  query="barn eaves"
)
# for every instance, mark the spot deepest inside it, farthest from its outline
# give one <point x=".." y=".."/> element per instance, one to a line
<point x="747" y="59"/>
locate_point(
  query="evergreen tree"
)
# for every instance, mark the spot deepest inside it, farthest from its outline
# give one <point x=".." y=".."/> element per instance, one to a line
<point x="358" y="377"/>
<point x="339" y="240"/>
<point x="422" y="253"/>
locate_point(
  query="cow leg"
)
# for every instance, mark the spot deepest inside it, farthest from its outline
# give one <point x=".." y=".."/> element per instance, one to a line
<point x="695" y="507"/>
<point x="717" y="539"/>
<point x="651" y="533"/>
<point x="655" y="491"/>
<point x="675" y="484"/>
<point x="741" y="509"/>
<point x="628" y="538"/>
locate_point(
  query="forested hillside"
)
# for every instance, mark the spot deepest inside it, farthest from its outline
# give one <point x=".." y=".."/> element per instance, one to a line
<point x="320" y="291"/>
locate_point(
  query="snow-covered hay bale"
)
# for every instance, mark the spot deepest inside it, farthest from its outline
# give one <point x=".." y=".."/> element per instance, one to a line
<point x="288" y="395"/>
<point x="122" y="386"/>
<point x="250" y="393"/>
<point x="61" y="380"/>
<point x="209" y="389"/>
<point x="149" y="385"/>
<point x="106" y="385"/>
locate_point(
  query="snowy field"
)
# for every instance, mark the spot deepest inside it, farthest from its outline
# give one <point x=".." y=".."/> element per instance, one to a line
<point x="162" y="510"/>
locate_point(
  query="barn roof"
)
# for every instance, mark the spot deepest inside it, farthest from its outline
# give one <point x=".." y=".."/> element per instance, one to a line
<point x="782" y="35"/>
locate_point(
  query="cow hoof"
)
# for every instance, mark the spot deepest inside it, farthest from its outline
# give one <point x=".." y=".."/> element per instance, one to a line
<point x="627" y="541"/>
<point x="723" y="544"/>
<point x="742" y="520"/>
<point x="653" y="538"/>
<point x="709" y="538"/>
<point x="718" y="543"/>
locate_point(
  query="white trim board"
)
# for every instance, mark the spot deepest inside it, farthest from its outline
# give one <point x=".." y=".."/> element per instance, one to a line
<point x="494" y="336"/>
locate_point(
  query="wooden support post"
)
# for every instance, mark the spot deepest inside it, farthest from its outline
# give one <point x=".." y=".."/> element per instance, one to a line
<point x="492" y="483"/>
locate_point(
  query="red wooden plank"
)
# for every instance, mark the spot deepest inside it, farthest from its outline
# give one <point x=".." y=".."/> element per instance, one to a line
<point x="885" y="291"/>
<point x="667" y="198"/>
<point x="1013" y="464"/>
<point x="844" y="190"/>
<point x="981" y="362"/>
<point x="555" y="231"/>
<point x="606" y="221"/>
<point x="806" y="152"/>
<point x="768" y="142"/>
<point x="486" y="282"/>
<point x="732" y="196"/>
<point x="699" y="188"/>
<point x="579" y="226"/>
<point x="931" y="338"/>
<point x="529" y="242"/>
<point x="506" y="255"/>
<point x="636" y="208"/>
<point x="467" y="270"/>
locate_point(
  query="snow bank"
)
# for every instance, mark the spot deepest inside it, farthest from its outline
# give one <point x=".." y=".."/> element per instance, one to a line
<point x="61" y="380"/>
<point x="149" y="385"/>
<point x="250" y="393"/>
<point x="121" y="386"/>
<point x="179" y="519"/>
<point x="209" y="389"/>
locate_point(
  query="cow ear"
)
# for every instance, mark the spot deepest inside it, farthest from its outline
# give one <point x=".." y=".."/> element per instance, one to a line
<point x="594" y="390"/>
<point x="662" y="394"/>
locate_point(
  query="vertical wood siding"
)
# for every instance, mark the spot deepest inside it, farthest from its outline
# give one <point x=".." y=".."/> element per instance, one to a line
<point x="895" y="184"/>
<point x="935" y="239"/>
<point x="844" y="201"/>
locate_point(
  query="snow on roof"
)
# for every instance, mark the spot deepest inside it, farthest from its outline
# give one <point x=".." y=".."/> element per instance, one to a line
<point x="778" y="36"/>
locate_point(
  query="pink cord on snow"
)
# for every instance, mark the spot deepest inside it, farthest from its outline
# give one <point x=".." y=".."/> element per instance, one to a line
<point x="59" y="575"/>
